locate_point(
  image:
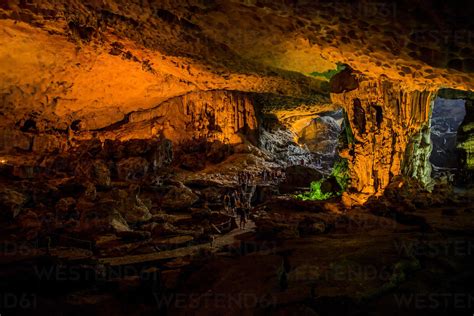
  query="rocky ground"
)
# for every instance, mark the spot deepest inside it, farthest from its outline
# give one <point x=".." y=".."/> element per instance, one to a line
<point x="103" y="236"/>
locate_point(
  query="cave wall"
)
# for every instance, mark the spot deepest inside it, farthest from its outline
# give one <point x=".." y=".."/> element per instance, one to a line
<point x="224" y="116"/>
<point x="391" y="135"/>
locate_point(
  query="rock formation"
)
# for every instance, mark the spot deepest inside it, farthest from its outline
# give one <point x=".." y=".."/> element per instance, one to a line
<point x="390" y="126"/>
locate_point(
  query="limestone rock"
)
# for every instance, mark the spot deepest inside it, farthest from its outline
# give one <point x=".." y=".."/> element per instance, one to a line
<point x="130" y="206"/>
<point x="11" y="202"/>
<point x="96" y="170"/>
<point x="48" y="143"/>
<point x="321" y="135"/>
<point x="387" y="123"/>
<point x="163" y="229"/>
<point x="343" y="81"/>
<point x="297" y="177"/>
<point x="101" y="173"/>
<point x="132" y="168"/>
<point x="193" y="162"/>
<point x="179" y="198"/>
<point x="65" y="205"/>
<point x="14" y="140"/>
<point x="102" y="217"/>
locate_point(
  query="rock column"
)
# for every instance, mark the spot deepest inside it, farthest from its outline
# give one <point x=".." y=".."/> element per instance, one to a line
<point x="391" y="127"/>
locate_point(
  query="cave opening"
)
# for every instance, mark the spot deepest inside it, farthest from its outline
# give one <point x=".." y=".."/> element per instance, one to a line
<point x="307" y="147"/>
<point x="321" y="137"/>
<point x="447" y="117"/>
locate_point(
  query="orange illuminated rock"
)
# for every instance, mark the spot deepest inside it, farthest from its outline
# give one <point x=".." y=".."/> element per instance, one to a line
<point x="387" y="122"/>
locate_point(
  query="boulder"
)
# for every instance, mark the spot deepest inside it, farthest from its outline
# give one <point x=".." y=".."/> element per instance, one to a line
<point x="218" y="152"/>
<point x="137" y="211"/>
<point x="212" y="194"/>
<point x="179" y="198"/>
<point x="101" y="173"/>
<point x="174" y="242"/>
<point x="14" y="139"/>
<point x="138" y="147"/>
<point x="330" y="185"/>
<point x="11" y="202"/>
<point x="193" y="162"/>
<point x="298" y="177"/>
<point x="102" y="217"/>
<point x="96" y="170"/>
<point x="48" y="143"/>
<point x="343" y="81"/>
<point x="130" y="206"/>
<point x="163" y="229"/>
<point x="133" y="168"/>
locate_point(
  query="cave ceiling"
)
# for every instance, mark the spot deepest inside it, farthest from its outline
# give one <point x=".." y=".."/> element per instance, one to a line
<point x="98" y="61"/>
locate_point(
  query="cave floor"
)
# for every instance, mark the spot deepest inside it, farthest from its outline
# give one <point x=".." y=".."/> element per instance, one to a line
<point x="299" y="259"/>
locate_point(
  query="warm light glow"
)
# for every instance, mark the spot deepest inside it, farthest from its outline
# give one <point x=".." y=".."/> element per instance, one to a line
<point x="3" y="161"/>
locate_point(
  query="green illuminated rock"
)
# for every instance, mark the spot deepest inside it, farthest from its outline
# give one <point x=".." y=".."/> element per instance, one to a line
<point x="331" y="186"/>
